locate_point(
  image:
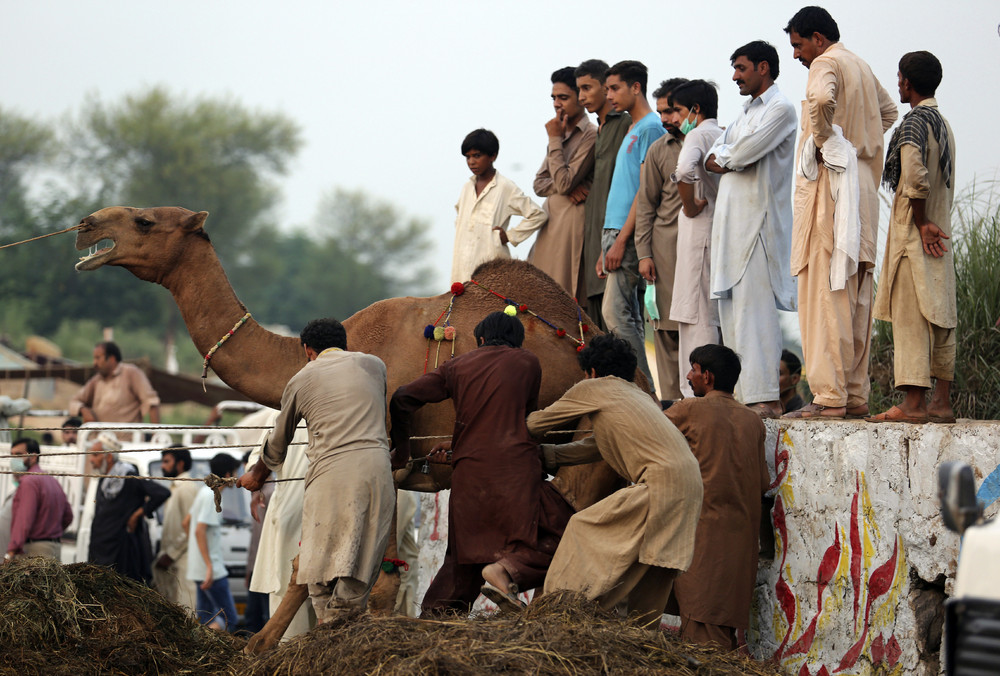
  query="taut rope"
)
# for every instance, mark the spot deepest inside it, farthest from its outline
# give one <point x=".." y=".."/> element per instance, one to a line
<point x="25" y="241"/>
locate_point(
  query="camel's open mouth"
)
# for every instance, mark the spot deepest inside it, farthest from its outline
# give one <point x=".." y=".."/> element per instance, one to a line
<point x="94" y="256"/>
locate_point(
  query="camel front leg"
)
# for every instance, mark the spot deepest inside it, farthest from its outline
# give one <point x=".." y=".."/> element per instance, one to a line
<point x="268" y="637"/>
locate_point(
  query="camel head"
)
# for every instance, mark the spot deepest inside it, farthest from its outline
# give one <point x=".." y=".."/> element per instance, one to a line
<point x="147" y="242"/>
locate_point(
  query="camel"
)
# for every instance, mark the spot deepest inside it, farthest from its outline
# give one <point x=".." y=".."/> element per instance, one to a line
<point x="169" y="246"/>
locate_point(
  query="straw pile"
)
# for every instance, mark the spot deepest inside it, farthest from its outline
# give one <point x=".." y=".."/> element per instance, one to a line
<point x="84" y="619"/>
<point x="557" y="634"/>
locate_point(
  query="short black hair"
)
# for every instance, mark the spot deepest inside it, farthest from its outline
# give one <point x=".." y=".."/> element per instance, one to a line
<point x="110" y="349"/>
<point x="721" y="362"/>
<point x="33" y="447"/>
<point x="923" y="70"/>
<point x="700" y="93"/>
<point x="812" y="19"/>
<point x="631" y="72"/>
<point x="72" y="422"/>
<point x="595" y="68"/>
<point x="792" y="362"/>
<point x="499" y="328"/>
<point x="668" y="86"/>
<point x="322" y="334"/>
<point x="758" y="51"/>
<point x="482" y="140"/>
<point x="609" y="355"/>
<point x="180" y="454"/>
<point x="222" y="464"/>
<point x="567" y="76"/>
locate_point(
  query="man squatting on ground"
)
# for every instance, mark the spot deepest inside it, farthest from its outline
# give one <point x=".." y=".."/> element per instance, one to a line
<point x="713" y="597"/>
<point x="632" y="544"/>
<point x="341" y="395"/>
<point x="917" y="282"/>
<point x="504" y="519"/>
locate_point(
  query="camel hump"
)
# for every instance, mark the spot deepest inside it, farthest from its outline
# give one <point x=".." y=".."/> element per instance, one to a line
<point x="523" y="283"/>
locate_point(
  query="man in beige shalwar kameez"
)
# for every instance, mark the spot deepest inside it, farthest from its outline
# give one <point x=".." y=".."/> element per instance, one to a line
<point x="632" y="544"/>
<point x="917" y="283"/>
<point x="835" y="324"/>
<point x="349" y="499"/>
<point x="564" y="180"/>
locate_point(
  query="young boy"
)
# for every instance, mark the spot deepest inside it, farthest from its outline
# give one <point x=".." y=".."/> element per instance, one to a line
<point x="485" y="205"/>
<point x="205" y="565"/>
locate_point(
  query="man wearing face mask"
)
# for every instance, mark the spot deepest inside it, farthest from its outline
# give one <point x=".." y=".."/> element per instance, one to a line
<point x="752" y="232"/>
<point x="657" y="205"/>
<point x="695" y="107"/>
<point x="118" y="536"/>
<point x="40" y="511"/>
<point x="170" y="569"/>
<point x="564" y="181"/>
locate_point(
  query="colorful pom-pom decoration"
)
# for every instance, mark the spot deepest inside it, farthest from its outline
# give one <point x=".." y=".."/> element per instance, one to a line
<point x="585" y="328"/>
<point x="510" y="311"/>
<point x="458" y="288"/>
<point x="560" y="332"/>
<point x="429" y="331"/>
<point x="449" y="333"/>
<point x="439" y="333"/>
<point x="523" y="308"/>
<point x="579" y="348"/>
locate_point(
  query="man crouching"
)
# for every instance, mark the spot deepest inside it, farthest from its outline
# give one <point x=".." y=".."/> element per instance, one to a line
<point x="349" y="500"/>
<point x="632" y="544"/>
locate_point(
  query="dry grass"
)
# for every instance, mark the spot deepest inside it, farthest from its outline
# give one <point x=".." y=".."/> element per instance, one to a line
<point x="557" y="634"/>
<point x="83" y="619"/>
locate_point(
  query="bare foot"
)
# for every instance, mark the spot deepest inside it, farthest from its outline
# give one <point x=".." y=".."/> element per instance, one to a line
<point x="766" y="409"/>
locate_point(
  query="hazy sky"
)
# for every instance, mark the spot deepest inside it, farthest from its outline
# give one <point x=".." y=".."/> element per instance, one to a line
<point x="385" y="91"/>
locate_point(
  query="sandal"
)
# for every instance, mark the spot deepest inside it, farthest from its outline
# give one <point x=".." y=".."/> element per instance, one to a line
<point x="896" y="415"/>
<point x="503" y="600"/>
<point x="811" y="411"/>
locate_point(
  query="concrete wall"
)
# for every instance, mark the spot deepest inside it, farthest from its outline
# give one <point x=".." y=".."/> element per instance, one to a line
<point x="862" y="560"/>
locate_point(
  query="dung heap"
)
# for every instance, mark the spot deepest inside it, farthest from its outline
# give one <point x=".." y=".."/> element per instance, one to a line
<point x="557" y="634"/>
<point x="84" y="619"/>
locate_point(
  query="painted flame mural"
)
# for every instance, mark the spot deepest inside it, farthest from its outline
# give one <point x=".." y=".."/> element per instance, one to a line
<point x="850" y="589"/>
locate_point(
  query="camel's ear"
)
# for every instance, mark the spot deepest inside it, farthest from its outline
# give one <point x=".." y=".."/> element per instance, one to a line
<point x="194" y="221"/>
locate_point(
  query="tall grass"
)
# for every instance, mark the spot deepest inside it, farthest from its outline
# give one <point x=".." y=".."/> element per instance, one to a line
<point x="976" y="243"/>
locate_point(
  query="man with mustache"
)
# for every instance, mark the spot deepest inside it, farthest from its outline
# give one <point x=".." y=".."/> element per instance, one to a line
<point x="656" y="207"/>
<point x="835" y="316"/>
<point x="752" y="229"/>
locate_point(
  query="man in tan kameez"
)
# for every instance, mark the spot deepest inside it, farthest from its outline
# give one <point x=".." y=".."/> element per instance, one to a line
<point x="632" y="544"/>
<point x="835" y="324"/>
<point x="917" y="283"/>
<point x="564" y="180"/>
<point x="349" y="500"/>
<point x="713" y="596"/>
<point x="656" y="207"/>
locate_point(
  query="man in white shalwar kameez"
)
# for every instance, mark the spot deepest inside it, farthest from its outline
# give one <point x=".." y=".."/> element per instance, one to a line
<point x="349" y="501"/>
<point x="752" y="230"/>
<point x="282" y="528"/>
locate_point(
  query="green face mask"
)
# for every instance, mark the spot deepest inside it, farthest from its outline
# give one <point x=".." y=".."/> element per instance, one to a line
<point x="687" y="125"/>
<point x="18" y="465"/>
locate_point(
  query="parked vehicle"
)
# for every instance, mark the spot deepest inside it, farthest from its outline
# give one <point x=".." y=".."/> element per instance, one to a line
<point x="972" y="614"/>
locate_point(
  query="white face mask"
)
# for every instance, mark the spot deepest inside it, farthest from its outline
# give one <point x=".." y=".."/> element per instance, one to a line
<point x="18" y="465"/>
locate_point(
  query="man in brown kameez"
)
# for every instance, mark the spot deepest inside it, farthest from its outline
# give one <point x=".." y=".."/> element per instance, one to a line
<point x="349" y="499"/>
<point x="504" y="519"/>
<point x="713" y="596"/>
<point x="630" y="545"/>
<point x="916" y="290"/>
